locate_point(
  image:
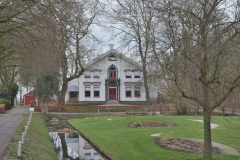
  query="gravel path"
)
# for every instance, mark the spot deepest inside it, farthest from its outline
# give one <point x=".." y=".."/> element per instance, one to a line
<point x="8" y="126"/>
<point x="212" y="124"/>
<point x="224" y="148"/>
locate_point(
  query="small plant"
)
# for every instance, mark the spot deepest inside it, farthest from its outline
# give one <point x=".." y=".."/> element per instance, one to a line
<point x="138" y="124"/>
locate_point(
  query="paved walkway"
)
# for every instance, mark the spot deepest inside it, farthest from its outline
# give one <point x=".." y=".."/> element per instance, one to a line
<point x="9" y="124"/>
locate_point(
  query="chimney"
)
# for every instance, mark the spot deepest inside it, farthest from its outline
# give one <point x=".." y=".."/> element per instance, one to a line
<point x="111" y="46"/>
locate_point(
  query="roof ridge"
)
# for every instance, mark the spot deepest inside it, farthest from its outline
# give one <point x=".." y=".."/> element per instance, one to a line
<point x="115" y="52"/>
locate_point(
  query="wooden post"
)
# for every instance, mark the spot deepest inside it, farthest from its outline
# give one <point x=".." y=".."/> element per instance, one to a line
<point x="25" y="130"/>
<point x="28" y="123"/>
<point x="19" y="148"/>
<point x="23" y="136"/>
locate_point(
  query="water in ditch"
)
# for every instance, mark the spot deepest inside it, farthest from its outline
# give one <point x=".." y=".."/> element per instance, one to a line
<point x="71" y="146"/>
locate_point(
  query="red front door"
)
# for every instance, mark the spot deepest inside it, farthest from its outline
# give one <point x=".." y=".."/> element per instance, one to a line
<point x="112" y="94"/>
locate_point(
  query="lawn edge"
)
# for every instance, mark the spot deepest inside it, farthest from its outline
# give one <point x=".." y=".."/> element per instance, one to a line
<point x="18" y="137"/>
<point x="95" y="146"/>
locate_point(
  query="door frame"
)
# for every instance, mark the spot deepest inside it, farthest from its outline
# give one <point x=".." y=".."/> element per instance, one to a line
<point x="108" y="91"/>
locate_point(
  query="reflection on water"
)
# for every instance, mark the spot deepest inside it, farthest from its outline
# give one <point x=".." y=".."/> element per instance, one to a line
<point x="72" y="146"/>
<point x="57" y="144"/>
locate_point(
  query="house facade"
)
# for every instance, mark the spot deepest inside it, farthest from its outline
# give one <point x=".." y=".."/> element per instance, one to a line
<point x="111" y="77"/>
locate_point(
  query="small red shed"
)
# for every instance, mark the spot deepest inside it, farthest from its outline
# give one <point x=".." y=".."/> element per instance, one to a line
<point x="27" y="98"/>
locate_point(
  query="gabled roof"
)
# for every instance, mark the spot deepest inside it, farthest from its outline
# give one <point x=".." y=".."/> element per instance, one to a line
<point x="117" y="54"/>
<point x="29" y="94"/>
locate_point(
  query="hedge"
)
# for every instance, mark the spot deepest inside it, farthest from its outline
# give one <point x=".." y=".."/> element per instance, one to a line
<point x="7" y="103"/>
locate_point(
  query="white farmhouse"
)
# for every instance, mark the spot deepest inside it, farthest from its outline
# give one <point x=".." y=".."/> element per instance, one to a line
<point x="111" y="77"/>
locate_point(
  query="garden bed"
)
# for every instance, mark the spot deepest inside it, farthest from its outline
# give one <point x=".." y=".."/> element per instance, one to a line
<point x="150" y="124"/>
<point x="183" y="145"/>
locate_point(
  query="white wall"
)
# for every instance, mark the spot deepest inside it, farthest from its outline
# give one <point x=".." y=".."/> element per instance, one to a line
<point x="74" y="82"/>
<point x="103" y="65"/>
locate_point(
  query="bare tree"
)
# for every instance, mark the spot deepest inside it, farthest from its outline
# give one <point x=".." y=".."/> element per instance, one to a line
<point x="135" y="21"/>
<point x="198" y="52"/>
<point x="74" y="20"/>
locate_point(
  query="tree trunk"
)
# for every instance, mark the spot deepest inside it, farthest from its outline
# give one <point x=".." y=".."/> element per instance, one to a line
<point x="46" y="109"/>
<point x="223" y="111"/>
<point x="62" y="93"/>
<point x="207" y="152"/>
<point x="42" y="107"/>
<point x="20" y="90"/>
<point x="145" y="82"/>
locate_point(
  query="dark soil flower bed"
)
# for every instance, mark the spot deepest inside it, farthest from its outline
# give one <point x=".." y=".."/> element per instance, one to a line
<point x="150" y="124"/>
<point x="183" y="145"/>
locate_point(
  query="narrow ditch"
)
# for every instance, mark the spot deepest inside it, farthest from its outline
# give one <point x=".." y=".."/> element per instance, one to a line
<point x="69" y="144"/>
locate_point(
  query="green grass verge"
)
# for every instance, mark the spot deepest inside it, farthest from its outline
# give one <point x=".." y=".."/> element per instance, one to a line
<point x="116" y="139"/>
<point x="37" y="144"/>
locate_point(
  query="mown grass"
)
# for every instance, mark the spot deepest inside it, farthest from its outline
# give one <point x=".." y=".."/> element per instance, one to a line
<point x="115" y="138"/>
<point x="37" y="144"/>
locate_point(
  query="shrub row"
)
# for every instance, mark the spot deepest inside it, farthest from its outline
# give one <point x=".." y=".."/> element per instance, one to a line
<point x="84" y="104"/>
<point x="86" y="109"/>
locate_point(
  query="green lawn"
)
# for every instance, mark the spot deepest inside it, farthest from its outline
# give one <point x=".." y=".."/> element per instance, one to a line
<point x="37" y="144"/>
<point x="115" y="138"/>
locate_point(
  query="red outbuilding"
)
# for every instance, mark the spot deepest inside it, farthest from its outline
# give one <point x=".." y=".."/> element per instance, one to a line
<point x="27" y="98"/>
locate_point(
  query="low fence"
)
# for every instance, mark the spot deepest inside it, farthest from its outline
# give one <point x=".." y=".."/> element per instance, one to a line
<point x="154" y="109"/>
<point x="24" y="134"/>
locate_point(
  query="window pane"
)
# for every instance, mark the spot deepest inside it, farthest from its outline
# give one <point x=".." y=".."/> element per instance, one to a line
<point x="96" y="156"/>
<point x="112" y="58"/>
<point x="128" y="74"/>
<point x="96" y="93"/>
<point x="87" y="74"/>
<point x="73" y="94"/>
<point x="112" y="69"/>
<point x="137" y="74"/>
<point x="137" y="91"/>
<point x="137" y="88"/>
<point x="96" y="74"/>
<point x="96" y="88"/>
<point x="112" y="85"/>
<point x="87" y="93"/>
<point x="128" y="93"/>
<point x="87" y="156"/>
<point x="128" y="88"/>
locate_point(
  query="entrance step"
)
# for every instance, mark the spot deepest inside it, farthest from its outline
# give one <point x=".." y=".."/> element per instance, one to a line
<point x="112" y="102"/>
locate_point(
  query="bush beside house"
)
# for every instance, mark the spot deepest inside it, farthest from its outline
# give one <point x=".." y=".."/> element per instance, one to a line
<point x="8" y="105"/>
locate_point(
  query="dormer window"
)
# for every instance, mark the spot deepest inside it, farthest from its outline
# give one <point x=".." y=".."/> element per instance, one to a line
<point x="112" y="58"/>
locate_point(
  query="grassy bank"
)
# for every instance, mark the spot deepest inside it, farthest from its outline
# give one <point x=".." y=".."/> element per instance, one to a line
<point x="37" y="144"/>
<point x="115" y="138"/>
